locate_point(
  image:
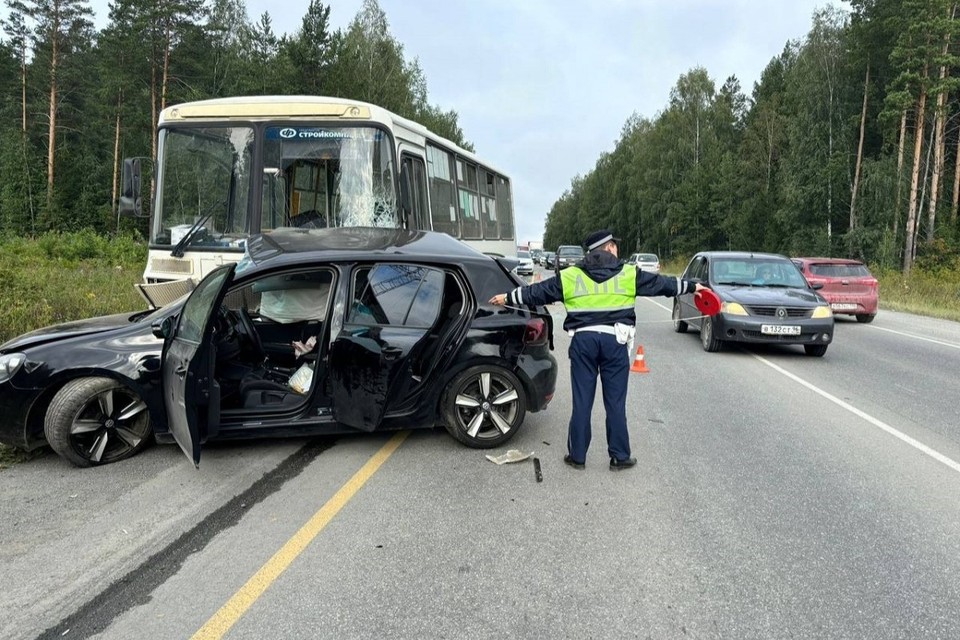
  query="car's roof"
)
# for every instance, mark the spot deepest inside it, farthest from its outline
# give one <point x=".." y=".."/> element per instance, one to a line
<point x="291" y="245"/>
<point x="741" y="255"/>
<point x="830" y="260"/>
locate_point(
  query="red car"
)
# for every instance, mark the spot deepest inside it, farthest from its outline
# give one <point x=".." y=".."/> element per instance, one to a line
<point x="847" y="285"/>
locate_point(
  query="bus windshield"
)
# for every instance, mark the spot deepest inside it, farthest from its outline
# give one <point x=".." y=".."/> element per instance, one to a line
<point x="203" y="172"/>
<point x="328" y="177"/>
<point x="312" y="177"/>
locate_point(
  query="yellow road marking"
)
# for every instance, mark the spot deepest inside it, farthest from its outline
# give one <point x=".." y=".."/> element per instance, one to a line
<point x="227" y="616"/>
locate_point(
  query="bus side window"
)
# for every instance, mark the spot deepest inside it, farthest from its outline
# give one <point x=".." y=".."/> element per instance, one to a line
<point x="420" y="214"/>
<point x="488" y="206"/>
<point x="443" y="201"/>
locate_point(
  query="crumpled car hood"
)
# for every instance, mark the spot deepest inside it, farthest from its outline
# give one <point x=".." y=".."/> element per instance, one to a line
<point x="67" y="330"/>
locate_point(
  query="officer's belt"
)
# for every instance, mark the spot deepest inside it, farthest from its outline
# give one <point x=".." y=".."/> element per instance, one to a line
<point x="599" y="328"/>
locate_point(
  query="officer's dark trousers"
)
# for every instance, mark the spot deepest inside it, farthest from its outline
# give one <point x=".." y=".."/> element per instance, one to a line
<point x="592" y="353"/>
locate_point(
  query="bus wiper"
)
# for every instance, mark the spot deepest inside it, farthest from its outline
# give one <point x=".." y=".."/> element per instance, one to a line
<point x="177" y="251"/>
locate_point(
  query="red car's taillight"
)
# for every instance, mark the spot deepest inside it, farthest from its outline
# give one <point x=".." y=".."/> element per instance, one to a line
<point x="535" y="332"/>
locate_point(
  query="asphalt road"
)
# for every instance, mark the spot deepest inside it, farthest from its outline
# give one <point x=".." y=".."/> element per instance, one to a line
<point x="776" y="496"/>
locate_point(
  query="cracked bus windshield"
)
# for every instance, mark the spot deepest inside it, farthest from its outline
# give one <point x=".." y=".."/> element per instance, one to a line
<point x="312" y="177"/>
<point x="318" y="177"/>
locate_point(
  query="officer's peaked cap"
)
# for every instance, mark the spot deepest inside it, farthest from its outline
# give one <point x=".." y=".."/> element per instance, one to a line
<point x="597" y="239"/>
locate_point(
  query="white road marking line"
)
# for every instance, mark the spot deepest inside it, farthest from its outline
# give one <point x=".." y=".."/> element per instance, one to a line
<point x="916" y="337"/>
<point x="916" y="444"/>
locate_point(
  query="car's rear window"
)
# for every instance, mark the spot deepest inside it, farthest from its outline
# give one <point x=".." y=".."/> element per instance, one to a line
<point x="647" y="257"/>
<point x="839" y="270"/>
<point x="570" y="251"/>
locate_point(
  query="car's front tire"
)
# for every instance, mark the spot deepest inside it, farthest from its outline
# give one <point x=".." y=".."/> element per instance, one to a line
<point x="678" y="325"/>
<point x="94" y="421"/>
<point x="708" y="337"/>
<point x="866" y="318"/>
<point x="483" y="406"/>
<point x="815" y="350"/>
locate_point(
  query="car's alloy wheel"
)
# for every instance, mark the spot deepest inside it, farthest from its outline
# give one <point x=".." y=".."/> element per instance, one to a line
<point x="707" y="337"/>
<point x="94" y="421"/>
<point x="484" y="406"/>
<point x="678" y="325"/>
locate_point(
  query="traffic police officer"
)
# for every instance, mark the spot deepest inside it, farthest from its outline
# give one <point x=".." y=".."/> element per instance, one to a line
<point x="599" y="294"/>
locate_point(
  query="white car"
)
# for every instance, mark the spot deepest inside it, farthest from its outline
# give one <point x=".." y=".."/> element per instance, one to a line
<point x="648" y="262"/>
<point x="525" y="268"/>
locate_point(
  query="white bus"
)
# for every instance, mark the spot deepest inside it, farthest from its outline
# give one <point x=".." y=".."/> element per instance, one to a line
<point x="228" y="168"/>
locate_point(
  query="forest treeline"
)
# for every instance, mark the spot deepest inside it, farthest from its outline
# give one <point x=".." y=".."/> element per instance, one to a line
<point x="848" y="146"/>
<point x="74" y="101"/>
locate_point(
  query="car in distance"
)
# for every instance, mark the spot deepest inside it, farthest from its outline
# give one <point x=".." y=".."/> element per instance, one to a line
<point x="847" y="285"/>
<point x="313" y="332"/>
<point x="525" y="268"/>
<point x="764" y="300"/>
<point x="549" y="258"/>
<point x="567" y="255"/>
<point x="647" y="262"/>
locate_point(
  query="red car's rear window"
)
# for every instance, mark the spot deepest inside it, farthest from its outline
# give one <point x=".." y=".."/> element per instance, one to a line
<point x="839" y="270"/>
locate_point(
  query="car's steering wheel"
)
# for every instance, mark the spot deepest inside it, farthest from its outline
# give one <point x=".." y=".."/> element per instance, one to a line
<point x="249" y="333"/>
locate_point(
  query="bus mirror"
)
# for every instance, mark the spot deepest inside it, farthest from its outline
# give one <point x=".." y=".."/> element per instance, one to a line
<point x="130" y="199"/>
<point x="406" y="210"/>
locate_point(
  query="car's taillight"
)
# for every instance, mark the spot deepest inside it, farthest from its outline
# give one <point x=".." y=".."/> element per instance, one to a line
<point x="535" y="332"/>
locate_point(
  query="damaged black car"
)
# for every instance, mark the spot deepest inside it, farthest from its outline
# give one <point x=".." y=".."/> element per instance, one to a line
<point x="313" y="332"/>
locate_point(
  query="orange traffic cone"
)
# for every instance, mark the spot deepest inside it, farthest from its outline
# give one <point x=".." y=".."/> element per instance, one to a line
<point x="639" y="364"/>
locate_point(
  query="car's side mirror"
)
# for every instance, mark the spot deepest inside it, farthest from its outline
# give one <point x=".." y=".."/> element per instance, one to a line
<point x="164" y="328"/>
<point x="817" y="286"/>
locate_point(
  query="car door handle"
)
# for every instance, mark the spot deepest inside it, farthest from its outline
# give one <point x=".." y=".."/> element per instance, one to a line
<point x="391" y="353"/>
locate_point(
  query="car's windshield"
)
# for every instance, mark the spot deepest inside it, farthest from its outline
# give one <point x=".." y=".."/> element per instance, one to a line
<point x="570" y="251"/>
<point x="766" y="272"/>
<point x="523" y="254"/>
<point x="203" y="171"/>
<point x="646" y="257"/>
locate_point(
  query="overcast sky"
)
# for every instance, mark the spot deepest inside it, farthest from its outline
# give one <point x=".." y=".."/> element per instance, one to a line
<point x="544" y="86"/>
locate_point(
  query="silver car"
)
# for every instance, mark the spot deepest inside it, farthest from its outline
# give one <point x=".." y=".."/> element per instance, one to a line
<point x="648" y="262"/>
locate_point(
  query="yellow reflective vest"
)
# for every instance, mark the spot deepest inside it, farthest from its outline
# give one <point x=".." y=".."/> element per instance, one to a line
<point x="583" y="295"/>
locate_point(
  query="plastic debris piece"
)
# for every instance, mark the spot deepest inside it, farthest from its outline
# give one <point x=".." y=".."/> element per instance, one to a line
<point x="513" y="455"/>
<point x="536" y="470"/>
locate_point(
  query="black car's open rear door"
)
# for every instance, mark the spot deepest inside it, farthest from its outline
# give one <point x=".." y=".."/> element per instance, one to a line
<point x="191" y="393"/>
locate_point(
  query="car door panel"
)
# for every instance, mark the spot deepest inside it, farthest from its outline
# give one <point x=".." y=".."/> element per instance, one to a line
<point x="369" y="368"/>
<point x="191" y="392"/>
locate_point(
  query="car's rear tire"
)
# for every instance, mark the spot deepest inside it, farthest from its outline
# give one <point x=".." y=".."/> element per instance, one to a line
<point x="678" y="325"/>
<point x="866" y="318"/>
<point x="94" y="421"/>
<point x="815" y="350"/>
<point x="483" y="406"/>
<point x="708" y="338"/>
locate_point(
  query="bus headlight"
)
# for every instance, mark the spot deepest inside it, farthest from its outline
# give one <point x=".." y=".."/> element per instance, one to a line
<point x="822" y="311"/>
<point x="9" y="364"/>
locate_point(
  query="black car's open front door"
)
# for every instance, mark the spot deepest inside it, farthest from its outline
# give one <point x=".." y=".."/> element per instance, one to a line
<point x="191" y="393"/>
